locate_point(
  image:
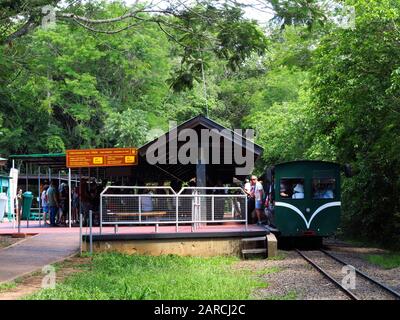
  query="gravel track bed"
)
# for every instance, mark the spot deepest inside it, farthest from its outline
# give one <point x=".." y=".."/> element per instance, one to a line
<point x="364" y="289"/>
<point x="297" y="279"/>
<point x="296" y="276"/>
<point x="390" y="277"/>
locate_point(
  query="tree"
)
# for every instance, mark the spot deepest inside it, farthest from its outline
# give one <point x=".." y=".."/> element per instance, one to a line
<point x="73" y="83"/>
<point x="356" y="108"/>
<point x="127" y="129"/>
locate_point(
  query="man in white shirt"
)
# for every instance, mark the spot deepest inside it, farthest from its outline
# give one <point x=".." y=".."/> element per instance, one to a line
<point x="298" y="191"/>
<point x="257" y="192"/>
<point x="247" y="187"/>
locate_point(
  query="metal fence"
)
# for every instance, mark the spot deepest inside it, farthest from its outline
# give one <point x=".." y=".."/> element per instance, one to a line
<point x="120" y="205"/>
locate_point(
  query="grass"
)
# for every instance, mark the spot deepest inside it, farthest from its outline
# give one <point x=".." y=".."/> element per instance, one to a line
<point x="386" y="261"/>
<point x="6" y="241"/>
<point x="7" y="286"/>
<point x="362" y="243"/>
<point x="119" y="276"/>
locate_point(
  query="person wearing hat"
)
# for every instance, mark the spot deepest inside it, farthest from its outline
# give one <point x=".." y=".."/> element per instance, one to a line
<point x="298" y="191"/>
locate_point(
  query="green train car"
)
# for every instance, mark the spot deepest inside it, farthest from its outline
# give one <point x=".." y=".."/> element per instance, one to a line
<point x="306" y="198"/>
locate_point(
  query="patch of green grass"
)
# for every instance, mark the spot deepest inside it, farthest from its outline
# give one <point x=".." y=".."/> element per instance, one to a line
<point x="361" y="242"/>
<point x="7" y="286"/>
<point x="386" y="261"/>
<point x="119" y="276"/>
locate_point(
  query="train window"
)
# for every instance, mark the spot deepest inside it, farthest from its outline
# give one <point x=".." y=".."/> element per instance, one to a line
<point x="324" y="188"/>
<point x="291" y="188"/>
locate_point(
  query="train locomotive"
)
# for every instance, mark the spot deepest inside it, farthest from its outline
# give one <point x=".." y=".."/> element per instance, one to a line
<point x="305" y="199"/>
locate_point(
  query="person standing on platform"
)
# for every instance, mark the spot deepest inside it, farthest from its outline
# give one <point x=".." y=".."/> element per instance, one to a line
<point x="52" y="200"/>
<point x="19" y="203"/>
<point x="43" y="199"/>
<point x="257" y="193"/>
<point x="75" y="204"/>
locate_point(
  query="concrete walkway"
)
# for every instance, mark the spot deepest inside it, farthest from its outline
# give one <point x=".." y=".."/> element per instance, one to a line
<point x="35" y="252"/>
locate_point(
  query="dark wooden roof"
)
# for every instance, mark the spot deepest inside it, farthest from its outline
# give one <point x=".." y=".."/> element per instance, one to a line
<point x="187" y="171"/>
<point x="160" y="172"/>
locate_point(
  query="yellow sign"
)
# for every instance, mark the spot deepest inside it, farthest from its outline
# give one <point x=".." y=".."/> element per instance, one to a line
<point x="110" y="157"/>
<point x="98" y="160"/>
<point x="130" y="159"/>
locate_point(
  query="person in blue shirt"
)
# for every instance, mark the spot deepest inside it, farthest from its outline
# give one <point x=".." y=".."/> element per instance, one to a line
<point x="52" y="201"/>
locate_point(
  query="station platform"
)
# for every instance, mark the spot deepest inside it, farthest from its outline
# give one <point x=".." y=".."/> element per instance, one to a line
<point x="207" y="240"/>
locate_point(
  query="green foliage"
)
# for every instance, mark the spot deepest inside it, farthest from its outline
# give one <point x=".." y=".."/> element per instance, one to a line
<point x="224" y="35"/>
<point x="357" y="108"/>
<point x="386" y="261"/>
<point x="118" y="276"/>
<point x="333" y="95"/>
<point x="306" y="12"/>
<point x="5" y="286"/>
<point x="127" y="129"/>
<point x="72" y="82"/>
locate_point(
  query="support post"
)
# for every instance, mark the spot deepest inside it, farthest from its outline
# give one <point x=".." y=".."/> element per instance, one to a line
<point x="177" y="213"/>
<point x="69" y="198"/>
<point x="91" y="231"/>
<point x="80" y="232"/>
<point x="201" y="175"/>
<point x="140" y="209"/>
<point x="26" y="176"/>
<point x="101" y="213"/>
<point x="39" y="197"/>
<point x="80" y="197"/>
<point x="201" y="183"/>
<point x="246" y="213"/>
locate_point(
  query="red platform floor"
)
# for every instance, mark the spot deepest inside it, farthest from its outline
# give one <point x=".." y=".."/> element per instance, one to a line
<point x="36" y="227"/>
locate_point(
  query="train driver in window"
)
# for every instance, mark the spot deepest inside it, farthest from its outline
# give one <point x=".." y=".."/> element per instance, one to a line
<point x="283" y="190"/>
<point x="298" y="191"/>
<point x="327" y="192"/>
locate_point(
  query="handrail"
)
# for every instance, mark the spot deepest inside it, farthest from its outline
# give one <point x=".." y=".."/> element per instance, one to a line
<point x="212" y="188"/>
<point x="173" y="213"/>
<point x="138" y="187"/>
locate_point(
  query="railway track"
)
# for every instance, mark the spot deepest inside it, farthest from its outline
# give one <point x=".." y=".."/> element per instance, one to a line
<point x="360" y="293"/>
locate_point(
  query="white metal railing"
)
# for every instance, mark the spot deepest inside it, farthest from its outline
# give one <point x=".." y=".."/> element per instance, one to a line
<point x="128" y="205"/>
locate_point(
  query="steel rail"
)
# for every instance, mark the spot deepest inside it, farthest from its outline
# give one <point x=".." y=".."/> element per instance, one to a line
<point x="378" y="283"/>
<point x="322" y="271"/>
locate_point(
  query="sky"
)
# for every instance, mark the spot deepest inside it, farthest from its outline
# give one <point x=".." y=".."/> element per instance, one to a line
<point x="257" y="13"/>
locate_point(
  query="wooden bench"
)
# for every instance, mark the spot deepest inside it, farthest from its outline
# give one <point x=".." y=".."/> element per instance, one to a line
<point x="136" y="214"/>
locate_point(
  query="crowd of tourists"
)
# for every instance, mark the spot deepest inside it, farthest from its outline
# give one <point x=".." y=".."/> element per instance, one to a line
<point x="259" y="202"/>
<point x="55" y="202"/>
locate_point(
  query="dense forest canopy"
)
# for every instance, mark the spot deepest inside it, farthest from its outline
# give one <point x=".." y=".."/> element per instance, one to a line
<point x="112" y="74"/>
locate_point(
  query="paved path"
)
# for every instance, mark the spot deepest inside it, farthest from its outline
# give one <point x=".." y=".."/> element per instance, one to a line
<point x="35" y="252"/>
